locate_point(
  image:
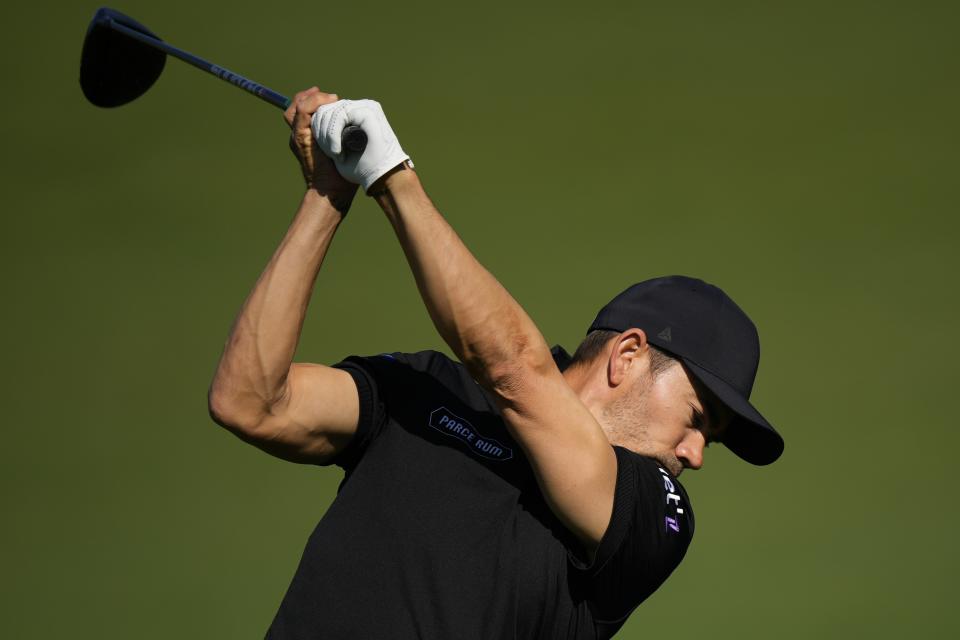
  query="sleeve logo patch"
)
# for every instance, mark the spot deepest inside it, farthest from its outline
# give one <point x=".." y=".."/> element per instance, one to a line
<point x="672" y="520"/>
<point x="449" y="423"/>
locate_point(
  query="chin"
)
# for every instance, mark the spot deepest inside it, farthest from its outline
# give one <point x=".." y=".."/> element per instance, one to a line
<point x="666" y="459"/>
<point x="670" y="463"/>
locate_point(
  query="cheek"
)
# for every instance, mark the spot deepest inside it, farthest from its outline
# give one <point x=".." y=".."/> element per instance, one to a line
<point x="669" y="417"/>
<point x="671" y="427"/>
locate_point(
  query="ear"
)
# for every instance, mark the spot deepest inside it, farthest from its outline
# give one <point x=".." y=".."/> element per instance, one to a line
<point x="625" y="355"/>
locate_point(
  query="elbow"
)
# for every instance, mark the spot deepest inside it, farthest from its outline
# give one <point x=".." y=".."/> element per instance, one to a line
<point x="227" y="412"/>
<point x="219" y="408"/>
<point x="216" y="408"/>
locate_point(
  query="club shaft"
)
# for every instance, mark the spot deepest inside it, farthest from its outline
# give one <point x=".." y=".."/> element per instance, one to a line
<point x="268" y="95"/>
<point x="354" y="138"/>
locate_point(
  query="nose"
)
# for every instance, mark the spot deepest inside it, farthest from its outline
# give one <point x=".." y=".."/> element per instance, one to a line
<point x="690" y="449"/>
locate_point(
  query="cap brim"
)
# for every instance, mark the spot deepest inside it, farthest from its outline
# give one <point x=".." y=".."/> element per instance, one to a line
<point x="748" y="435"/>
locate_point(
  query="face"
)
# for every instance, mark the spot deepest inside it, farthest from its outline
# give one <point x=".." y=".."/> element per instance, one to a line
<point x="668" y="417"/>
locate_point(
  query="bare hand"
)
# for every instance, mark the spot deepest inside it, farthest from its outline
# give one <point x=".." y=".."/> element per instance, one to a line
<point x="319" y="172"/>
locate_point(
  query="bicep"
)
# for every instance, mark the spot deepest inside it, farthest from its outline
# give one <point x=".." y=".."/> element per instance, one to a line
<point x="313" y="420"/>
<point x="571" y="456"/>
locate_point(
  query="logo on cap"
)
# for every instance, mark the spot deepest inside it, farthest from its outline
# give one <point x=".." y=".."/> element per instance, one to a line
<point x="665" y="335"/>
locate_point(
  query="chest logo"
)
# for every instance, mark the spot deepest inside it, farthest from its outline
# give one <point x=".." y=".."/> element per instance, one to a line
<point x="449" y="423"/>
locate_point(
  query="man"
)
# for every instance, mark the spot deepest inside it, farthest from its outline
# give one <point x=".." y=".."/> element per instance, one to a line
<point x="516" y="495"/>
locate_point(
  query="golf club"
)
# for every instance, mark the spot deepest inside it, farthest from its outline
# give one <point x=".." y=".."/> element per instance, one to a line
<point x="121" y="59"/>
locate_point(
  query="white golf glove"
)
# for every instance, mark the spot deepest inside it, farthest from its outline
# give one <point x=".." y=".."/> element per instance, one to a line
<point x="382" y="152"/>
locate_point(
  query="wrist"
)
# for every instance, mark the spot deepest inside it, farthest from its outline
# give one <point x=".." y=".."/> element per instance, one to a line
<point x="401" y="178"/>
<point x="339" y="201"/>
<point x="325" y="203"/>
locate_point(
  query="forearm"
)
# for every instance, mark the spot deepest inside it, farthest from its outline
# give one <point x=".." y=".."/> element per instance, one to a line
<point x="476" y="316"/>
<point x="253" y="369"/>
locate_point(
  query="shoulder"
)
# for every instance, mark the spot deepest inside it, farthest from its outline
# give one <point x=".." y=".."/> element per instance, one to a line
<point x="427" y="361"/>
<point x="650" y="530"/>
<point x="407" y="375"/>
<point x="395" y="367"/>
<point x="658" y="493"/>
<point x="388" y="385"/>
<point x="652" y="515"/>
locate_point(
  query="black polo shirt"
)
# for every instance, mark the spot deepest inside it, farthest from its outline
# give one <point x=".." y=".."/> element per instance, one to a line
<point x="439" y="529"/>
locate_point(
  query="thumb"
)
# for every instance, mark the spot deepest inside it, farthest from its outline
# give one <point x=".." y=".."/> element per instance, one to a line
<point x="328" y="124"/>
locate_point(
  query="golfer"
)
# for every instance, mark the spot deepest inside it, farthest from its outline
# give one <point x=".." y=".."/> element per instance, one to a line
<point x="517" y="493"/>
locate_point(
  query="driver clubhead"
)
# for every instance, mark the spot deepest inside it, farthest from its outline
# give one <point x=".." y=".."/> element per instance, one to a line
<point x="114" y="68"/>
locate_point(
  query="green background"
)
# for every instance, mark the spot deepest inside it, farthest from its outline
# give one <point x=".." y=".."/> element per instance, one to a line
<point x="802" y="155"/>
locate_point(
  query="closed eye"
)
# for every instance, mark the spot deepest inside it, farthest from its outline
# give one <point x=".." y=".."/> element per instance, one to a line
<point x="696" y="417"/>
<point x="698" y="421"/>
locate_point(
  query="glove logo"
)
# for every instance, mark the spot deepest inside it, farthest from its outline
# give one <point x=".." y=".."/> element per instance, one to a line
<point x="447" y="422"/>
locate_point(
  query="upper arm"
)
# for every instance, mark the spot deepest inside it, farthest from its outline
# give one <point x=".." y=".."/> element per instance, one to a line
<point x="575" y="465"/>
<point x="313" y="419"/>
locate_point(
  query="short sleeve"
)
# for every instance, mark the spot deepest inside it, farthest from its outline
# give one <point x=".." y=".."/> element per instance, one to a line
<point x="384" y="383"/>
<point x="372" y="411"/>
<point x="649" y="532"/>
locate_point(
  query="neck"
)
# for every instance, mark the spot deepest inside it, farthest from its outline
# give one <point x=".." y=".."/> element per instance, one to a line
<point x="589" y="384"/>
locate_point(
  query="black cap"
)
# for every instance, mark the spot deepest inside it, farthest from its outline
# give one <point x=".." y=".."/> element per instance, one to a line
<point x="700" y="325"/>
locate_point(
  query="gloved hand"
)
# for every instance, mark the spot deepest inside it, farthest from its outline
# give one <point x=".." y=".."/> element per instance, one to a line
<point x="382" y="152"/>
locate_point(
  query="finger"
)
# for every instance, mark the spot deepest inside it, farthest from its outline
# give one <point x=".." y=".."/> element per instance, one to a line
<point x="329" y="97"/>
<point x="303" y="112"/>
<point x="324" y="127"/>
<point x="289" y="114"/>
<point x="323" y="97"/>
<point x="313" y="99"/>
<point x="333" y="125"/>
<point x="308" y="103"/>
<point x="365" y="115"/>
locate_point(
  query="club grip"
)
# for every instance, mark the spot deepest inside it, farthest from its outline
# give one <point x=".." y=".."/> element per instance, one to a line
<point x="354" y="139"/>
